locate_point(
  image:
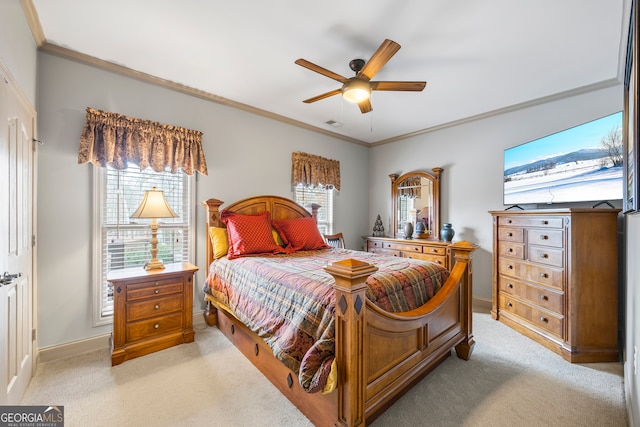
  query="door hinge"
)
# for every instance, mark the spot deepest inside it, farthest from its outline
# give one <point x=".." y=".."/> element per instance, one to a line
<point x="33" y="335"/>
<point x="33" y="240"/>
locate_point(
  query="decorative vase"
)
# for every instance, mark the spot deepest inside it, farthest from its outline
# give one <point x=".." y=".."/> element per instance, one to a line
<point x="408" y="230"/>
<point x="420" y="227"/>
<point x="446" y="232"/>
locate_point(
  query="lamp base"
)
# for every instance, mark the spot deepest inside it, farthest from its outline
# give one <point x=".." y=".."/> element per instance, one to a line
<point x="154" y="264"/>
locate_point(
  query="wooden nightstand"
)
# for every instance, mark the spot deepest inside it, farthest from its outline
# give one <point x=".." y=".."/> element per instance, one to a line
<point x="152" y="310"/>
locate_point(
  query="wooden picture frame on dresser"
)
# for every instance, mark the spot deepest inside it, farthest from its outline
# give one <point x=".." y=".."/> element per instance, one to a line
<point x="152" y="310"/>
<point x="555" y="279"/>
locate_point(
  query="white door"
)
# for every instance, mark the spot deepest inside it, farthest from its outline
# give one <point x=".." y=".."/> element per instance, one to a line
<point x="17" y="121"/>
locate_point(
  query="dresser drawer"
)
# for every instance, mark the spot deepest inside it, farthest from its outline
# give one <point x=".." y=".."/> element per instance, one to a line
<point x="546" y="255"/>
<point x="546" y="237"/>
<point x="404" y="247"/>
<point x="541" y="319"/>
<point x="153" y="327"/>
<point x="374" y="244"/>
<point x="511" y="234"/>
<point x="436" y="259"/>
<point x="387" y="252"/>
<point x="550" y="299"/>
<point x="531" y="221"/>
<point x="512" y="250"/>
<point x="543" y="275"/>
<point x="154" y="288"/>
<point x="434" y="250"/>
<point x="154" y="307"/>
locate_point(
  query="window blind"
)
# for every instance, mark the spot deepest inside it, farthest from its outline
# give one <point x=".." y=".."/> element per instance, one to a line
<point x="322" y="196"/>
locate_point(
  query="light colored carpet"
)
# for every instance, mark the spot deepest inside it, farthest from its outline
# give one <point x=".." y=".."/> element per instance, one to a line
<point x="509" y="381"/>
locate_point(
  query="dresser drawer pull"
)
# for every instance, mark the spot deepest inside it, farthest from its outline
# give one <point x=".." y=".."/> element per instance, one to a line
<point x="544" y="298"/>
<point x="544" y="275"/>
<point x="545" y="222"/>
<point x="509" y="304"/>
<point x="510" y="250"/>
<point x="157" y="307"/>
<point x="434" y="250"/>
<point x="510" y="285"/>
<point x="416" y="249"/>
<point x="156" y="326"/>
<point x="157" y="291"/>
<point x="438" y="261"/>
<point x="544" y="319"/>
<point x="509" y="221"/>
<point x="509" y="234"/>
<point x="544" y="237"/>
<point x="510" y="267"/>
<point x="544" y="256"/>
<point x="156" y="283"/>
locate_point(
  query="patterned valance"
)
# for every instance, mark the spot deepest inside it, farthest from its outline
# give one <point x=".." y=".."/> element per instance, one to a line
<point x="314" y="171"/>
<point x="411" y="188"/>
<point x="111" y="139"/>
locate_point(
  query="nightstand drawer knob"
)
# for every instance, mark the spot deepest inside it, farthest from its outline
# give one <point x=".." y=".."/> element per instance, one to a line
<point x="544" y="320"/>
<point x="157" y="306"/>
<point x="156" y="326"/>
<point x="438" y="261"/>
<point x="156" y="283"/>
<point x="157" y="291"/>
<point x="544" y="298"/>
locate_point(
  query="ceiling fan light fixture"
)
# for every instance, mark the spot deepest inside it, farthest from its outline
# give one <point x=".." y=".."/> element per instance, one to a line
<point x="356" y="91"/>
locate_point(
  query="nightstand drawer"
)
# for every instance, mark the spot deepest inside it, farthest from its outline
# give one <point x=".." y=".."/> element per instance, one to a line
<point x="154" y="288"/>
<point x="153" y="327"/>
<point x="153" y="307"/>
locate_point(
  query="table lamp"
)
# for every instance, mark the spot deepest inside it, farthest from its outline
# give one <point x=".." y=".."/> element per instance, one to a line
<point x="154" y="206"/>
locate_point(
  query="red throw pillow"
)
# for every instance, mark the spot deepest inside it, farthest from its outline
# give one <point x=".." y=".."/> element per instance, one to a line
<point x="301" y="234"/>
<point x="249" y="235"/>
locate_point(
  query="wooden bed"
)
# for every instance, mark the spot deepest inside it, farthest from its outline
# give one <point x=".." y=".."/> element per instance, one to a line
<point x="379" y="355"/>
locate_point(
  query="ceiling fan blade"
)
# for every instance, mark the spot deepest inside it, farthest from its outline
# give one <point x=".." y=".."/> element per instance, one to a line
<point x="401" y="86"/>
<point x="323" y="96"/>
<point x="387" y="49"/>
<point x="365" y="106"/>
<point x="318" y="69"/>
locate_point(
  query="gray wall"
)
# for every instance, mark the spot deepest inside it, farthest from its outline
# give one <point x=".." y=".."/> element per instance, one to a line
<point x="246" y="155"/>
<point x="472" y="157"/>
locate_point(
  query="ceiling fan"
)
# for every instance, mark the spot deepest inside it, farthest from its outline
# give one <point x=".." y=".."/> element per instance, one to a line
<point x="358" y="89"/>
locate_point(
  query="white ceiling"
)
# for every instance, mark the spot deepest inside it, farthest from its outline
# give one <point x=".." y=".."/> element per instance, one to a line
<point x="477" y="56"/>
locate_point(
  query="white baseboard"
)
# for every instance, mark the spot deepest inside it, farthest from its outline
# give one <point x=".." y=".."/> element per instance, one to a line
<point x="101" y="342"/>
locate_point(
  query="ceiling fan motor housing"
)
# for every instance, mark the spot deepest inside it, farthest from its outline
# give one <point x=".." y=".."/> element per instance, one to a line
<point x="356" y="65"/>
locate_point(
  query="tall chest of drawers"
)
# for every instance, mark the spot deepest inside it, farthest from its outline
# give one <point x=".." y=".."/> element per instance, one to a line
<point x="152" y="310"/>
<point x="555" y="279"/>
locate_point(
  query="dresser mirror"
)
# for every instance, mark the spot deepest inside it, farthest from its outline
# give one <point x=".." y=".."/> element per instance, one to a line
<point x="415" y="198"/>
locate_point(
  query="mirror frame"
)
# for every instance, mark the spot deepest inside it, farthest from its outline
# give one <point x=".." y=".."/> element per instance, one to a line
<point x="435" y="180"/>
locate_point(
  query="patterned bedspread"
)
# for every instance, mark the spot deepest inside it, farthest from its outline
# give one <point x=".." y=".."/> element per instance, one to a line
<point x="288" y="300"/>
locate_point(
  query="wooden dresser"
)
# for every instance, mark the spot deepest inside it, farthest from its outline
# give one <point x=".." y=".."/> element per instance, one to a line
<point x="430" y="250"/>
<point x="152" y="310"/>
<point x="555" y="279"/>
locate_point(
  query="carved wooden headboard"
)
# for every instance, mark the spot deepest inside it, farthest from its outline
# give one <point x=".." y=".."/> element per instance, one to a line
<point x="278" y="207"/>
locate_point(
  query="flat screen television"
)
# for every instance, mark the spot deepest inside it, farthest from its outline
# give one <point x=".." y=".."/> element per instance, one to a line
<point x="580" y="164"/>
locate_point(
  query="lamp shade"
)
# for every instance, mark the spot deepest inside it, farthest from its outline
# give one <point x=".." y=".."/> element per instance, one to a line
<point x="356" y="90"/>
<point x="154" y="205"/>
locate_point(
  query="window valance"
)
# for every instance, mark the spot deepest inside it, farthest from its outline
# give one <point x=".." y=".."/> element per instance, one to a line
<point x="314" y="171"/>
<point x="111" y="139"/>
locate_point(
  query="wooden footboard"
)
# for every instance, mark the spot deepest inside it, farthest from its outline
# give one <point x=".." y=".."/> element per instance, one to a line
<point x="379" y="355"/>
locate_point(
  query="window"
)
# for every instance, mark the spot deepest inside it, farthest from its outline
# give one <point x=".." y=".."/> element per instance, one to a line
<point x="322" y="196"/>
<point x="122" y="242"/>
